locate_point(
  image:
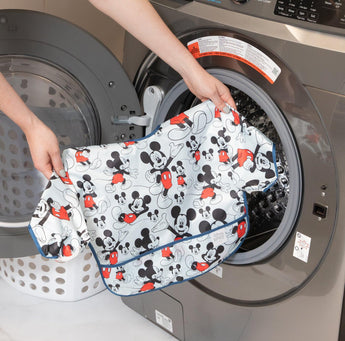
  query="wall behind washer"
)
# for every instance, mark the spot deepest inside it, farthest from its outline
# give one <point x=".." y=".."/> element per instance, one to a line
<point x="81" y="13"/>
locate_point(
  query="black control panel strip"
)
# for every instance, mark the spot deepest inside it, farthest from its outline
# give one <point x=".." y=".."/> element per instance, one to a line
<point x="324" y="12"/>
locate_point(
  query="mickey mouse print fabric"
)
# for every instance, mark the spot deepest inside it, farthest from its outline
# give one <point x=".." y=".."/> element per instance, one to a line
<point x="158" y="210"/>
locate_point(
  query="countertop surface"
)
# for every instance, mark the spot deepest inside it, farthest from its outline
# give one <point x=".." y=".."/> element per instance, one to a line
<point x="103" y="316"/>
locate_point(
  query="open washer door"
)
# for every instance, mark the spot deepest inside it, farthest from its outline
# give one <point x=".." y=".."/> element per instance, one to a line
<point x="76" y="86"/>
<point x="291" y="225"/>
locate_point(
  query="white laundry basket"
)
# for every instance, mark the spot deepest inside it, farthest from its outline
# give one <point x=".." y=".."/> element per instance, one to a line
<point x="46" y="278"/>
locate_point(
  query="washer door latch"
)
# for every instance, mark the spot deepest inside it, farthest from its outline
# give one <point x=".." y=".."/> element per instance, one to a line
<point x="143" y="120"/>
<point x="320" y="210"/>
<point x="152" y="98"/>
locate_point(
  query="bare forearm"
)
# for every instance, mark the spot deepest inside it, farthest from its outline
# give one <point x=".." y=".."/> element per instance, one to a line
<point x="13" y="106"/>
<point x="42" y="141"/>
<point x="140" y="19"/>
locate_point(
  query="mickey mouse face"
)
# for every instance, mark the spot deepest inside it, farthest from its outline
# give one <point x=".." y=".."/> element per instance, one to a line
<point x="210" y="256"/>
<point x="41" y="209"/>
<point x="194" y="249"/>
<point x="125" y="164"/>
<point x="88" y="187"/>
<point x="216" y="178"/>
<point x="100" y="222"/>
<point x="262" y="162"/>
<point x="157" y="275"/>
<point x="150" y="271"/>
<point x="124" y="249"/>
<point x="175" y="269"/>
<point x="109" y="243"/>
<point x="115" y="287"/>
<point x="205" y="212"/>
<point x="208" y="154"/>
<point x="222" y="142"/>
<point x="121" y="199"/>
<point x="158" y="159"/>
<point x="137" y="205"/>
<point x="118" y="163"/>
<point x="193" y="143"/>
<point x="154" y="242"/>
<point x="181" y="224"/>
<point x="179" y="198"/>
<point x="148" y="240"/>
<point x="153" y="215"/>
<point x="179" y="169"/>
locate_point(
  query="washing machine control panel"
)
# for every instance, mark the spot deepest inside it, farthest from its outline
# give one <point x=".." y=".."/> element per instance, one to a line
<point x="319" y="15"/>
<point x="324" y="12"/>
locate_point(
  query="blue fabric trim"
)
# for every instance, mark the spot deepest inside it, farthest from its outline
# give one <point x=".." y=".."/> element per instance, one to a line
<point x="173" y="243"/>
<point x="33" y="236"/>
<point x="146" y="136"/>
<point x="275" y="167"/>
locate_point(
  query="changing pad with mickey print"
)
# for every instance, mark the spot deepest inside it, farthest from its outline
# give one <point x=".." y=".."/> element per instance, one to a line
<point x="158" y="210"/>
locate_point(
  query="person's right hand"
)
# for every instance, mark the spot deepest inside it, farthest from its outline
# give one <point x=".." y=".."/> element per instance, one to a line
<point x="44" y="149"/>
<point x="205" y="86"/>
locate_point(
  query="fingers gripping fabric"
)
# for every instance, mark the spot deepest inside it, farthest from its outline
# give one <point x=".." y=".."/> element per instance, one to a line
<point x="158" y="210"/>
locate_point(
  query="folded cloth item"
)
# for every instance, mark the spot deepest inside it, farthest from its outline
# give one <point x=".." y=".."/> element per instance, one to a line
<point x="161" y="209"/>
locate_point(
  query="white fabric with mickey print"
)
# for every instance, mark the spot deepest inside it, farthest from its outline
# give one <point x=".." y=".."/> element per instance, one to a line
<point x="161" y="209"/>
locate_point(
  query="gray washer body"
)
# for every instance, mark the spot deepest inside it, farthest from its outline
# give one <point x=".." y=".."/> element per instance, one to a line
<point x="277" y="297"/>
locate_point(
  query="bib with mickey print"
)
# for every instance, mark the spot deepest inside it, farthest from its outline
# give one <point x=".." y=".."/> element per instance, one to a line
<point x="158" y="210"/>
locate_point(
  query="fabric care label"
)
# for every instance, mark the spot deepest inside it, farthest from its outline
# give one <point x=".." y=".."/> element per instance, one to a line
<point x="218" y="237"/>
<point x="302" y="247"/>
<point x="237" y="49"/>
<point x="164" y="321"/>
<point x="217" y="271"/>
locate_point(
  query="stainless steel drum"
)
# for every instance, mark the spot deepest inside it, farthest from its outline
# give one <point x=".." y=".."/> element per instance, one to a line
<point x="75" y="85"/>
<point x="60" y="102"/>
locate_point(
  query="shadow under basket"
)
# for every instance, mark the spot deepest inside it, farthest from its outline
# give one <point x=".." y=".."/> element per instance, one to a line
<point x="46" y="278"/>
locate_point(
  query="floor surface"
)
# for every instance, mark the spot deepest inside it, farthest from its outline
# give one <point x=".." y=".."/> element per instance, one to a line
<point x="103" y="316"/>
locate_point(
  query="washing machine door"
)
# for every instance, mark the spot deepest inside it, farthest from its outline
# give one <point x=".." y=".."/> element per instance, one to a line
<point x="292" y="224"/>
<point x="76" y="86"/>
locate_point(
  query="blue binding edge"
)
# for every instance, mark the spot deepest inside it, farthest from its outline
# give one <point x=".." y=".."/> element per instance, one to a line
<point x="33" y="236"/>
<point x="275" y="167"/>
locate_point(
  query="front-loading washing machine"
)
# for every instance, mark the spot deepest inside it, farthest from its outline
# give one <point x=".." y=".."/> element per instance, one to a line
<point x="70" y="78"/>
<point x="284" y="64"/>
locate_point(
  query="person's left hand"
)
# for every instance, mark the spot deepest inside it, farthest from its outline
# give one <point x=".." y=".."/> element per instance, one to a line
<point x="44" y="148"/>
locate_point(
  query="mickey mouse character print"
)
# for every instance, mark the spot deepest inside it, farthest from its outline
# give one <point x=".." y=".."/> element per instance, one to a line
<point x="162" y="209"/>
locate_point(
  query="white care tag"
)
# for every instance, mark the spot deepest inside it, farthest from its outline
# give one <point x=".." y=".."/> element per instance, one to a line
<point x="164" y="321"/>
<point x="218" y="237"/>
<point x="217" y="271"/>
<point x="302" y="247"/>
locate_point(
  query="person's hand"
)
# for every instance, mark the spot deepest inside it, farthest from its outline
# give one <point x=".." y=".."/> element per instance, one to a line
<point x="156" y="35"/>
<point x="44" y="149"/>
<point x="205" y="86"/>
